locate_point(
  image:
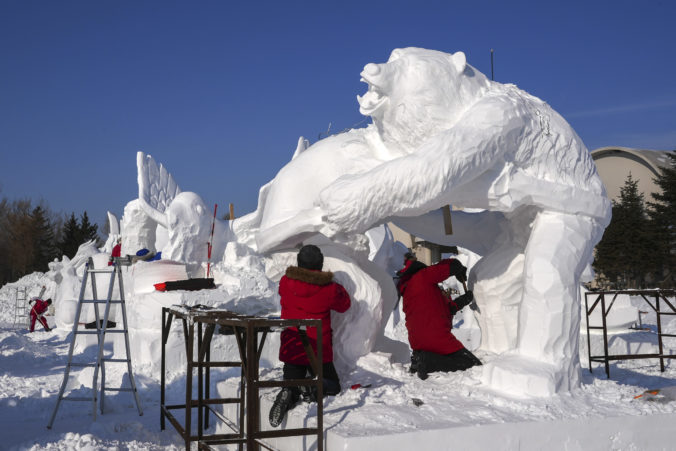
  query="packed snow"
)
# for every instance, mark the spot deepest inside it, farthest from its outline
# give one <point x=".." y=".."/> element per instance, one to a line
<point x="602" y="414"/>
<point x="516" y="174"/>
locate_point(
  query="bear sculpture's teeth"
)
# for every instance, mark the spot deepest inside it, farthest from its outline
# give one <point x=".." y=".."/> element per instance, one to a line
<point x="370" y="101"/>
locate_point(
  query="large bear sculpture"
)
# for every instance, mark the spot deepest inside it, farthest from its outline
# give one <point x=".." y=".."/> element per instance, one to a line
<point x="524" y="188"/>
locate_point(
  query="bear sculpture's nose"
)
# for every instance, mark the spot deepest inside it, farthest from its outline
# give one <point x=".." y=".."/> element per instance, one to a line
<point x="371" y="69"/>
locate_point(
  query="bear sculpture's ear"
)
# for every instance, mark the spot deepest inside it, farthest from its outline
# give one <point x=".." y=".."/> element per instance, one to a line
<point x="396" y="54"/>
<point x="459" y="61"/>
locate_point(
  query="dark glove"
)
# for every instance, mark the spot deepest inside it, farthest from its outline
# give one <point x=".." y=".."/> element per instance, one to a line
<point x="464" y="300"/>
<point x="458" y="270"/>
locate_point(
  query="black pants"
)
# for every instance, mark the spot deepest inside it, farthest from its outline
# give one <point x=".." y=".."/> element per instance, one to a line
<point x="456" y="361"/>
<point x="331" y="382"/>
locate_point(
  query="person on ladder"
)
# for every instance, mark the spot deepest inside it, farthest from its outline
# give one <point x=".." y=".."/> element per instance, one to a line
<point x="38" y="312"/>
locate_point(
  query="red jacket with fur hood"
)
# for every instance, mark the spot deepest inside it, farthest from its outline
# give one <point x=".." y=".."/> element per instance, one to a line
<point x="428" y="317"/>
<point x="308" y="294"/>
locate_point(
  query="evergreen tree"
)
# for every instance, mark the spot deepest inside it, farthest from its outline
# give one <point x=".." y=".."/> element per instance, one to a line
<point x="662" y="213"/>
<point x="27" y="239"/>
<point x="88" y="231"/>
<point x="622" y="254"/>
<point x="44" y="243"/>
<point x="20" y="242"/>
<point x="70" y="238"/>
<point x="5" y="263"/>
<point x="607" y="259"/>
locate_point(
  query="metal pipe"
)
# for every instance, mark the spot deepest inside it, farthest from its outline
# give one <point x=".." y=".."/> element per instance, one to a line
<point x="165" y="332"/>
<point x="492" y="78"/>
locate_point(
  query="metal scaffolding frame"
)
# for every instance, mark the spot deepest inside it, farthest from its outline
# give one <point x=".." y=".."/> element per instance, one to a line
<point x="246" y="330"/>
<point x="600" y="302"/>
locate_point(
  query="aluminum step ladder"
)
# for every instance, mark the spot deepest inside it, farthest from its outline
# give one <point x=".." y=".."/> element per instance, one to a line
<point x="90" y="272"/>
<point x="21" y="308"/>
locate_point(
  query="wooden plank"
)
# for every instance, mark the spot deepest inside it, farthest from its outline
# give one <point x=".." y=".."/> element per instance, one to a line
<point x="448" y="226"/>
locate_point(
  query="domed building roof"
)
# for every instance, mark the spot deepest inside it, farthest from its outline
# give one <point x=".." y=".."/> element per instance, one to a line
<point x="614" y="164"/>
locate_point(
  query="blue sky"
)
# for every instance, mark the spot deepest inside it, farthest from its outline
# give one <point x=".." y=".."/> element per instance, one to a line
<point x="220" y="91"/>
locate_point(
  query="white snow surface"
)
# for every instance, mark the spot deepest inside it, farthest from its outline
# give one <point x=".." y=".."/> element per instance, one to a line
<point x="601" y="414"/>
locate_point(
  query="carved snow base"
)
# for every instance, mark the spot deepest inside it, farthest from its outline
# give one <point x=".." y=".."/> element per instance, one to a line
<point x="523" y="377"/>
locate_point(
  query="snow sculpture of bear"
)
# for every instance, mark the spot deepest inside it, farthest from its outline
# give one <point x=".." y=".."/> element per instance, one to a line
<point x="443" y="134"/>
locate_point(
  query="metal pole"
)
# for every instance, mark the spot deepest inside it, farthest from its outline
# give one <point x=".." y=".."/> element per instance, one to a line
<point x="190" y="339"/>
<point x="320" y="389"/>
<point x="165" y="332"/>
<point x="252" y="412"/>
<point x="208" y="376"/>
<point x="211" y="241"/>
<point x="659" y="330"/>
<point x="586" y="312"/>
<point x="605" y="335"/>
<point x="200" y="383"/>
<point x="492" y="78"/>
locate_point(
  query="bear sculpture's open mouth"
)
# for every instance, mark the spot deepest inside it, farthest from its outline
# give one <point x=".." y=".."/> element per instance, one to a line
<point x="370" y="102"/>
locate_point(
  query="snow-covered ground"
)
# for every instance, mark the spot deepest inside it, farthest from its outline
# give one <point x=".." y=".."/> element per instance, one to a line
<point x="397" y="411"/>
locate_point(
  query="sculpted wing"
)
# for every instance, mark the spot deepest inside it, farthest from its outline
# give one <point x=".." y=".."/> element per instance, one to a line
<point x="156" y="187"/>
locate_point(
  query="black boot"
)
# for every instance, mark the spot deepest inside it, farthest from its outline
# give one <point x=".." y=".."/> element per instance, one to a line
<point x="309" y="394"/>
<point x="467" y="359"/>
<point x="414" y="362"/>
<point x="282" y="404"/>
<point x="422" y="365"/>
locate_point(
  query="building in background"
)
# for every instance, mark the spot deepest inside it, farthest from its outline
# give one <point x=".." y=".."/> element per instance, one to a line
<point x="614" y="164"/>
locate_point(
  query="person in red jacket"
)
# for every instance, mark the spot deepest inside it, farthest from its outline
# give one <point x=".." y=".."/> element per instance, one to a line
<point x="429" y="314"/>
<point x="307" y="292"/>
<point x="117" y="252"/>
<point x="38" y="311"/>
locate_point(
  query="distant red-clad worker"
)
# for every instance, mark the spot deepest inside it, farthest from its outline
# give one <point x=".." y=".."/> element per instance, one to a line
<point x="117" y="252"/>
<point x="38" y="311"/>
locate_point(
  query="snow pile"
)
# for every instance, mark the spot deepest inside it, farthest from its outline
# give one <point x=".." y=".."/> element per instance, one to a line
<point x="32" y="284"/>
<point x="397" y="411"/>
<point x="138" y="229"/>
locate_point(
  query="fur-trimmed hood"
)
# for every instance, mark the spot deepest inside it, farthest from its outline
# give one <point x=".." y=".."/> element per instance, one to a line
<point x="320" y="278"/>
<point x="308" y="294"/>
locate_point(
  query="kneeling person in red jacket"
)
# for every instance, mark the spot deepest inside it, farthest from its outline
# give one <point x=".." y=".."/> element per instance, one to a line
<point x="38" y="311"/>
<point x="307" y="292"/>
<point x="429" y="314"/>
